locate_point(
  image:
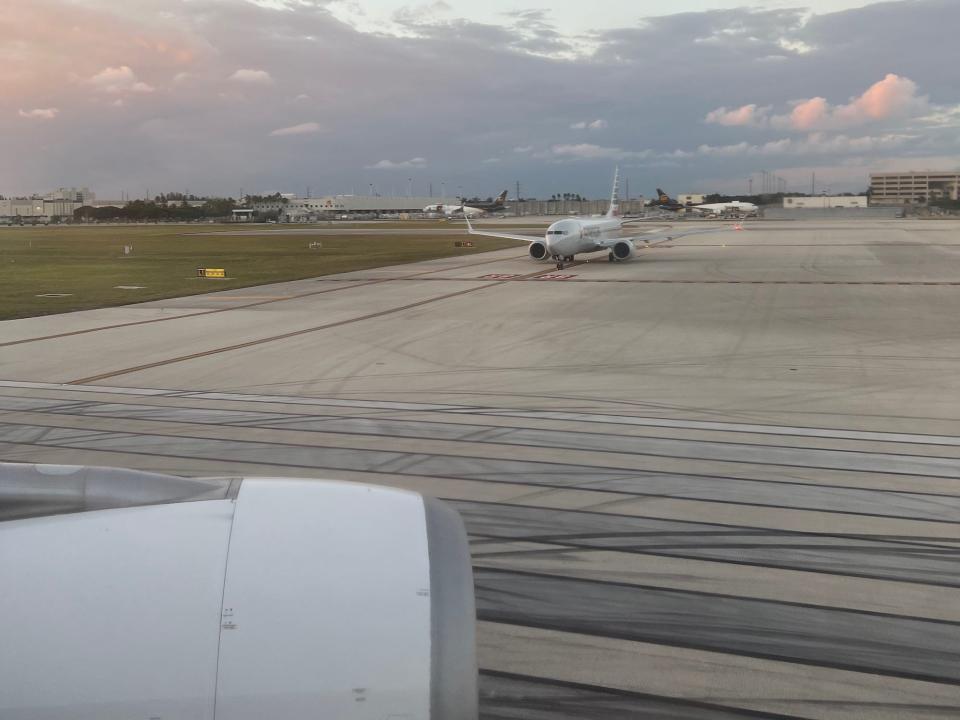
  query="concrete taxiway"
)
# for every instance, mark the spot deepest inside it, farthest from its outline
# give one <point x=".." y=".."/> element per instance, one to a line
<point x="721" y="481"/>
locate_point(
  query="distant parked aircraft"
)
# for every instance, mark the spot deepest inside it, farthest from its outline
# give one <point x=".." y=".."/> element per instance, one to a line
<point x="474" y="209"/>
<point x="739" y="207"/>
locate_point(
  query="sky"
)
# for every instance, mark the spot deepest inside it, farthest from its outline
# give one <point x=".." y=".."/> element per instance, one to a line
<point x="228" y="96"/>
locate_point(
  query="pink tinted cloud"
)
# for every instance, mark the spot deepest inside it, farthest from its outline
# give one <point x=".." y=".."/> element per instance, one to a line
<point x="301" y="129"/>
<point x="810" y="114"/>
<point x="117" y="80"/>
<point x="40" y="113"/>
<point x="51" y="43"/>
<point x="746" y="115"/>
<point x="253" y="77"/>
<point x="892" y="97"/>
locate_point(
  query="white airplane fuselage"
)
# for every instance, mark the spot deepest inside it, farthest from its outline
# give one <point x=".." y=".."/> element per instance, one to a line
<point x="738" y="206"/>
<point x="571" y="236"/>
<point x="453" y="210"/>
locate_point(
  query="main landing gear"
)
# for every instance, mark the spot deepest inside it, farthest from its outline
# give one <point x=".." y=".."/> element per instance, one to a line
<point x="561" y="260"/>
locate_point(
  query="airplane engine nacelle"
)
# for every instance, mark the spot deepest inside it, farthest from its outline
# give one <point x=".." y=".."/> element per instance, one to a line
<point x="134" y="595"/>
<point x="538" y="250"/>
<point x="624" y="250"/>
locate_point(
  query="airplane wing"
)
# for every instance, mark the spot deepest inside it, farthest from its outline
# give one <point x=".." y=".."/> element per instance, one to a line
<point x="664" y="235"/>
<point x="661" y="215"/>
<point x="508" y="236"/>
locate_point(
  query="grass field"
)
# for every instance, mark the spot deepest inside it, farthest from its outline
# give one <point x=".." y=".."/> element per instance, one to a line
<point x="85" y="264"/>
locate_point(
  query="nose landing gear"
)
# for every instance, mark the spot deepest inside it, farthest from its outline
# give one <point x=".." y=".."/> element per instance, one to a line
<point x="562" y="259"/>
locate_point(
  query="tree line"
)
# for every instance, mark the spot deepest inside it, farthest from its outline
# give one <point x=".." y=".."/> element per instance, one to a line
<point x="150" y="210"/>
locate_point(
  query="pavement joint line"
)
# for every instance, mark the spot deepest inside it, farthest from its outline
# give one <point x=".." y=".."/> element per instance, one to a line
<point x="502" y="438"/>
<point x="646" y="698"/>
<point x="565" y="416"/>
<point x="494" y="617"/>
<point x="670" y="281"/>
<point x="478" y="563"/>
<point x="357" y="283"/>
<point x="409" y="459"/>
<point x="284" y="336"/>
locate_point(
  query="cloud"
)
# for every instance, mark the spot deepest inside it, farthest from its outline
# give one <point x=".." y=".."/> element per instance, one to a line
<point x="747" y="115"/>
<point x="306" y="128"/>
<point x="490" y="160"/>
<point x="586" y="150"/>
<point x="417" y="162"/>
<point x="945" y="117"/>
<point x="252" y="77"/>
<point x="813" y="144"/>
<point x="589" y="151"/>
<point x="890" y="98"/>
<point x="598" y="124"/>
<point x="482" y="89"/>
<point x="117" y="80"/>
<point x="39" y="113"/>
<point x="894" y="97"/>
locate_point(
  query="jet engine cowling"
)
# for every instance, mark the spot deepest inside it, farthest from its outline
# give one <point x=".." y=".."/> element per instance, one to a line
<point x="538" y="250"/>
<point x="624" y="250"/>
<point x="131" y="594"/>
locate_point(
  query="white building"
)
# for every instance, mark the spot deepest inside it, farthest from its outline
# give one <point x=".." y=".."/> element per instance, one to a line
<point x="22" y="207"/>
<point x="303" y="209"/>
<point x="690" y="198"/>
<point x="826" y="201"/>
<point x="83" y="196"/>
<point x="59" y="203"/>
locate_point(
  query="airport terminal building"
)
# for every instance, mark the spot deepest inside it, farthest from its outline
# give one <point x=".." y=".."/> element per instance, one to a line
<point x="337" y="206"/>
<point x="913" y="188"/>
<point x="60" y="203"/>
<point x="362" y="206"/>
<point x="826" y="201"/>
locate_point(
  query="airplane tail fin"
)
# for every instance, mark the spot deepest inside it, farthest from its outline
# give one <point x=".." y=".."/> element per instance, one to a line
<point x="614" y="209"/>
<point x="501" y="198"/>
<point x="663" y="197"/>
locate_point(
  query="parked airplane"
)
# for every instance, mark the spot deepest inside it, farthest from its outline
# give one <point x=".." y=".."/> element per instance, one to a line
<point x="476" y="209"/>
<point x="665" y="202"/>
<point x="740" y="207"/>
<point x="564" y="239"/>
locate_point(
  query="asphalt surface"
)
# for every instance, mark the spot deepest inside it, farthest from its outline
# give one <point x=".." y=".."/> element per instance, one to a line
<point x="722" y="481"/>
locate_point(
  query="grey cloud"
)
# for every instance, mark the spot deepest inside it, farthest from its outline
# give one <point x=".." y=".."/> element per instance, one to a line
<point x="306" y="128"/>
<point x="39" y="113"/>
<point x="417" y="162"/>
<point x="458" y="93"/>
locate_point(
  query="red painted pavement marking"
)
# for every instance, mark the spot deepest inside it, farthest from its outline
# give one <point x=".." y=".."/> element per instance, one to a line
<point x="554" y="276"/>
<point x="497" y="276"/>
